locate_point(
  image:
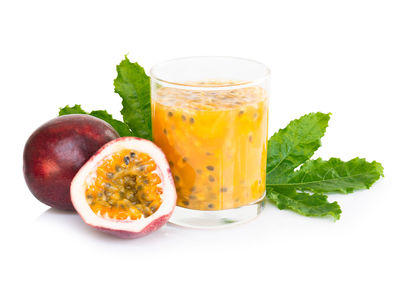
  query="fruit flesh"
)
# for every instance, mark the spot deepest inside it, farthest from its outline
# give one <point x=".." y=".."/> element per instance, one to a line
<point x="125" y="186"/>
<point x="216" y="144"/>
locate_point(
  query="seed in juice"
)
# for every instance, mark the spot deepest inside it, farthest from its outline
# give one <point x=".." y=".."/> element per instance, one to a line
<point x="110" y="175"/>
<point x="210" y="168"/>
<point x="171" y="164"/>
<point x="126" y="160"/>
<point x="241" y="113"/>
<point x="133" y="154"/>
<point x="118" y="168"/>
<point x="210" y="205"/>
<point x="185" y="202"/>
<point x="170" y="114"/>
<point x="177" y="178"/>
<point x="165" y="131"/>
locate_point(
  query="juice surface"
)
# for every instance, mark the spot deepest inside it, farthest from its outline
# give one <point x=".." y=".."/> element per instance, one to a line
<point x="215" y="142"/>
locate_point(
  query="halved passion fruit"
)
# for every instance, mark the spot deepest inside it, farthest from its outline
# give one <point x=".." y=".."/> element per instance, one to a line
<point x="125" y="189"/>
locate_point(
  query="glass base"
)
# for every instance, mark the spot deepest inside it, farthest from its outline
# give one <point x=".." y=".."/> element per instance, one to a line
<point x="215" y="219"/>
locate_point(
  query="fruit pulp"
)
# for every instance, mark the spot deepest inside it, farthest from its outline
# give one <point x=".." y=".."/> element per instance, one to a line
<point x="125" y="186"/>
<point x="215" y="142"/>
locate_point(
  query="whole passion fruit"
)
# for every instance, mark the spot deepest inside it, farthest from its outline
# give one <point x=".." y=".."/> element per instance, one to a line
<point x="125" y="189"/>
<point x="56" y="151"/>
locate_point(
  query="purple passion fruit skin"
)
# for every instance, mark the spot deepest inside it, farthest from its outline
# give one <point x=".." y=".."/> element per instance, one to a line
<point x="56" y="151"/>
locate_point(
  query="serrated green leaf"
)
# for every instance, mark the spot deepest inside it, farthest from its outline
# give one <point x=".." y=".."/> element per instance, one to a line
<point x="293" y="145"/>
<point x="76" y="109"/>
<point x="133" y="86"/>
<point x="334" y="176"/>
<point x="313" y="205"/>
<point x="122" y="129"/>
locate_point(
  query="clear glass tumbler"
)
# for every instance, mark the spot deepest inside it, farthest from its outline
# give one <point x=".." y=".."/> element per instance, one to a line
<point x="210" y="117"/>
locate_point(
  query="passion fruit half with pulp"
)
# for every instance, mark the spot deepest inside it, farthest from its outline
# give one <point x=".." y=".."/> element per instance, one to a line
<point x="125" y="189"/>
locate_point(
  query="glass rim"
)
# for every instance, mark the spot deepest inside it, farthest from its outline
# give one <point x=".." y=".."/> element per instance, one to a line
<point x="242" y="84"/>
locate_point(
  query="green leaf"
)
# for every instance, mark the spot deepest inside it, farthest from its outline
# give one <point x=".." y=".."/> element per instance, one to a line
<point x="293" y="145"/>
<point x="76" y="109"/>
<point x="122" y="129"/>
<point x="133" y="86"/>
<point x="335" y="176"/>
<point x="313" y="205"/>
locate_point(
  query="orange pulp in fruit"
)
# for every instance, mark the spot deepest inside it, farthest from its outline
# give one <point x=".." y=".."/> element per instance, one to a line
<point x="125" y="186"/>
<point x="215" y="142"/>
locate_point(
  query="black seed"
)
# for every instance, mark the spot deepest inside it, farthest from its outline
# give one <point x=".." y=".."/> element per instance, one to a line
<point x="211" y="178"/>
<point x="133" y="154"/>
<point x="89" y="196"/>
<point x="107" y="185"/>
<point x="170" y="114"/>
<point x="224" y="189"/>
<point x="100" y="194"/>
<point x="165" y="131"/>
<point x="126" y="160"/>
<point x="153" y="209"/>
<point x="193" y="189"/>
<point x="210" y="168"/>
<point x="199" y="171"/>
<point x="210" y="206"/>
<point x="241" y="113"/>
<point x="177" y="178"/>
<point x="118" y="168"/>
<point x="171" y="164"/>
<point x="110" y="175"/>
<point x="209" y="153"/>
<point x="184" y="159"/>
<point x="185" y="202"/>
<point x="141" y="168"/>
<point x="183" y="118"/>
<point x="192" y="197"/>
<point x="146" y="181"/>
<point x="191" y="120"/>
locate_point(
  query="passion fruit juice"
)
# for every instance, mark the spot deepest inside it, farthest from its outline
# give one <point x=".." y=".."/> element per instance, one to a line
<point x="215" y="141"/>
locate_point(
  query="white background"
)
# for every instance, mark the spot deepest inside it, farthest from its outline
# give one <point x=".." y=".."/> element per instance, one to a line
<point x="331" y="56"/>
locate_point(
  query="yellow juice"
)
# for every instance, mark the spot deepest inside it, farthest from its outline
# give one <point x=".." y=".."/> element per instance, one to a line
<point x="215" y="142"/>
